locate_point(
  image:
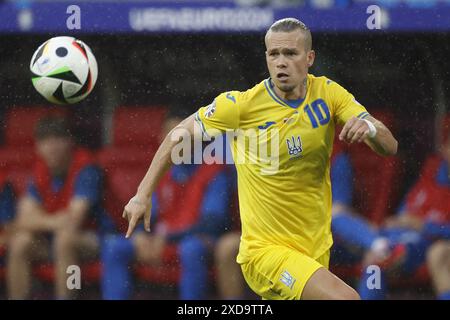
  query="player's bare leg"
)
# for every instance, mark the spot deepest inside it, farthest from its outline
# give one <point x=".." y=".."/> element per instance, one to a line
<point x="438" y="262"/>
<point x="324" y="285"/>
<point x="230" y="281"/>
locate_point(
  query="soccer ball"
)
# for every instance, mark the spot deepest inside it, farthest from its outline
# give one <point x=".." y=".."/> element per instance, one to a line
<point x="63" y="70"/>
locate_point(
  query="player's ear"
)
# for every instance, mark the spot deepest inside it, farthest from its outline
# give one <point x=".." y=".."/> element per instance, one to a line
<point x="311" y="55"/>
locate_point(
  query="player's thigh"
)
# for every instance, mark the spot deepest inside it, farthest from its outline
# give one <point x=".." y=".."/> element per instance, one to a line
<point x="324" y="285"/>
<point x="279" y="273"/>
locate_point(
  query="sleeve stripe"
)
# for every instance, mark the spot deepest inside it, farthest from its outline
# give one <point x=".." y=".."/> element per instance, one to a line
<point x="363" y="115"/>
<point x="202" y="126"/>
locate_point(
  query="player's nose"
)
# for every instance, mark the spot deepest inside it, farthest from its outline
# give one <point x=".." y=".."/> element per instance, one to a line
<point x="281" y="63"/>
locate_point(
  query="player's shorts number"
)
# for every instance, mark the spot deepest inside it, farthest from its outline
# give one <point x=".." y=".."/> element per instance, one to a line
<point x="318" y="113"/>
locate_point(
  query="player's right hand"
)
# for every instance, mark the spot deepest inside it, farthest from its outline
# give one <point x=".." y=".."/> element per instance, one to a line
<point x="136" y="209"/>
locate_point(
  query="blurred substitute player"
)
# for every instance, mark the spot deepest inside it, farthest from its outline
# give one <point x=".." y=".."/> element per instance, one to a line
<point x="62" y="207"/>
<point x="286" y="211"/>
<point x="190" y="211"/>
<point x="421" y="227"/>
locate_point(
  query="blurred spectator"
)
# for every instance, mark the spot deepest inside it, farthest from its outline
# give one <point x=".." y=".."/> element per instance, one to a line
<point x="353" y="235"/>
<point x="189" y="211"/>
<point x="62" y="207"/>
<point x="423" y="218"/>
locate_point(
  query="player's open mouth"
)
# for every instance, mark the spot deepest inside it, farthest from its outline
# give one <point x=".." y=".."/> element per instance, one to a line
<point x="282" y="76"/>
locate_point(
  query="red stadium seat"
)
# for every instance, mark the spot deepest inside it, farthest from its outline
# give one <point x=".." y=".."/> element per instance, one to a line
<point x="19" y="178"/>
<point x="18" y="164"/>
<point x="17" y="157"/>
<point x="375" y="178"/>
<point x="375" y="191"/>
<point x="139" y="126"/>
<point x="120" y="185"/>
<point x="122" y="157"/>
<point x="20" y="123"/>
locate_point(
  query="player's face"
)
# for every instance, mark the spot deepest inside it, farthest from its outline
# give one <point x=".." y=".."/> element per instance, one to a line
<point x="288" y="59"/>
<point x="55" y="151"/>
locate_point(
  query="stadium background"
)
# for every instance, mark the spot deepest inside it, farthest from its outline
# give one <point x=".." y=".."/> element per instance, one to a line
<point x="401" y="71"/>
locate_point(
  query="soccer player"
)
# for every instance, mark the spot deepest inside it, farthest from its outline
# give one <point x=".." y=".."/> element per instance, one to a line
<point x="285" y="212"/>
<point x="353" y="235"/>
<point x="62" y="204"/>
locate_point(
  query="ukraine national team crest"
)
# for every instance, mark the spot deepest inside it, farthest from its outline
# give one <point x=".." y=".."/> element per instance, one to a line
<point x="287" y="279"/>
<point x="294" y="145"/>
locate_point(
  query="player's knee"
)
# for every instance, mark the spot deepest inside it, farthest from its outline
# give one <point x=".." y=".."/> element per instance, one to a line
<point x="227" y="248"/>
<point x="20" y="244"/>
<point x="192" y="248"/>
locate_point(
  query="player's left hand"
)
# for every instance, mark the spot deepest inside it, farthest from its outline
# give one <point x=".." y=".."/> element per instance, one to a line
<point x="137" y="209"/>
<point x="355" y="130"/>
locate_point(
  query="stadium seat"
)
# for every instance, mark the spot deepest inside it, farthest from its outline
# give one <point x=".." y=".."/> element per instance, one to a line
<point x="21" y="121"/>
<point x="19" y="179"/>
<point x="18" y="165"/>
<point x="120" y="185"/>
<point x="139" y="126"/>
<point x="16" y="157"/>
<point x="375" y="177"/>
<point x="119" y="157"/>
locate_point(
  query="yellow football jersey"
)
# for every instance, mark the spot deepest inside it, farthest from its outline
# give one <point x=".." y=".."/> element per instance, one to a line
<point x="285" y="196"/>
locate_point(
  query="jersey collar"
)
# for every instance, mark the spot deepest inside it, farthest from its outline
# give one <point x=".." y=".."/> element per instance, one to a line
<point x="286" y="103"/>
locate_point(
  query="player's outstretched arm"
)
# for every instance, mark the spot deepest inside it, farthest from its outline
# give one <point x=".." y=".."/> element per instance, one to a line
<point x="139" y="206"/>
<point x="373" y="132"/>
